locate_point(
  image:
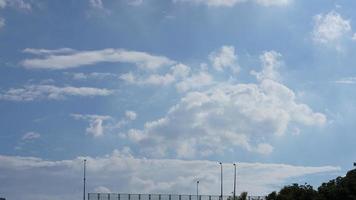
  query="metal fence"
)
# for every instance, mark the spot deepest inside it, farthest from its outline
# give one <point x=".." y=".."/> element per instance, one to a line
<point x="115" y="196"/>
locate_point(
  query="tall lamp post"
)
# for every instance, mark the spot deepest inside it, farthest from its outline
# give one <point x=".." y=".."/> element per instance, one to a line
<point x="221" y="181"/>
<point x="198" y="190"/>
<point x="234" y="181"/>
<point x="84" y="181"/>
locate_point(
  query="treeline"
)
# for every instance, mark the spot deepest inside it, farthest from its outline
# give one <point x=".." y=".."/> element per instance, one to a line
<point x="341" y="188"/>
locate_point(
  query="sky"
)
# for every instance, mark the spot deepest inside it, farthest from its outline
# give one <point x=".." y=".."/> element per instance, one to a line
<point x="154" y="93"/>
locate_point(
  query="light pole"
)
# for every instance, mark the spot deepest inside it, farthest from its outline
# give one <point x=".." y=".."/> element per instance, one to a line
<point x="198" y="190"/>
<point x="234" y="181"/>
<point x="85" y="162"/>
<point x="221" y="181"/>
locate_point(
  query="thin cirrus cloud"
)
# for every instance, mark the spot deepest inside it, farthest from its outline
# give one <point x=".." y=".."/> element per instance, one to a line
<point x="121" y="169"/>
<point x="66" y="58"/>
<point x="50" y="92"/>
<point x="231" y="3"/>
<point x="30" y="136"/>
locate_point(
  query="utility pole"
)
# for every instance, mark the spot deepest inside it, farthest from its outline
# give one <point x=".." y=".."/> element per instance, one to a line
<point x="84" y="181"/>
<point x="234" y="181"/>
<point x="197" y="189"/>
<point x="221" y="181"/>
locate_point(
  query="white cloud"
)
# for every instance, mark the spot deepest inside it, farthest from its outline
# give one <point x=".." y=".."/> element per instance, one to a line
<point x="50" y="92"/>
<point x="131" y="115"/>
<point x="330" y="28"/>
<point x="274" y="2"/>
<point x="18" y="4"/>
<point x="31" y="136"/>
<point x="227" y="116"/>
<point x="225" y="58"/>
<point x="39" y="179"/>
<point x="96" y="4"/>
<point x="96" y="127"/>
<point x="177" y="72"/>
<point x="231" y="3"/>
<point x="59" y="59"/>
<point x="346" y="80"/>
<point x="45" y="52"/>
<point x="92" y="75"/>
<point x="196" y="81"/>
<point x="354" y="37"/>
<point x="2" y="3"/>
<point x="271" y="62"/>
<point x="135" y="2"/>
<point x="100" y="125"/>
<point x="2" y="22"/>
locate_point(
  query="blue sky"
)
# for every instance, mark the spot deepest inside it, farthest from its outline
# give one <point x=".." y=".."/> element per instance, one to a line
<point x="153" y="93"/>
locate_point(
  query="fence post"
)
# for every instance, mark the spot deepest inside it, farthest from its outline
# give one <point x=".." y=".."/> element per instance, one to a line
<point x="98" y="196"/>
<point x="129" y="196"/>
<point x="180" y="197"/>
<point x="149" y="197"/>
<point x="109" y="196"/>
<point x="139" y="196"/>
<point x="159" y="197"/>
<point x="118" y="196"/>
<point x="169" y="197"/>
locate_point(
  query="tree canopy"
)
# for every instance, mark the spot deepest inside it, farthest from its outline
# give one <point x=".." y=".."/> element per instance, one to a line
<point x="343" y="188"/>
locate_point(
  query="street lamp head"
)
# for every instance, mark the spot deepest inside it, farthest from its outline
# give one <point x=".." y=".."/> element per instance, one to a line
<point x="220" y="163"/>
<point x="234" y="164"/>
<point x="197" y="181"/>
<point x="354" y="164"/>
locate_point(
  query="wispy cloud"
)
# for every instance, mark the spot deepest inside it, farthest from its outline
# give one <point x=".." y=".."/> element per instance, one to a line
<point x="31" y="136"/>
<point x="346" y="80"/>
<point x="50" y="92"/>
<point x="231" y="3"/>
<point x="67" y="58"/>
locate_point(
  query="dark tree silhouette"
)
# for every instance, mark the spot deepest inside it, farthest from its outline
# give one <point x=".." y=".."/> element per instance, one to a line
<point x="341" y="188"/>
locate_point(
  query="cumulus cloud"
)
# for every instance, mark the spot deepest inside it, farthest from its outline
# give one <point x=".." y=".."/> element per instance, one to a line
<point x="196" y="81"/>
<point x="63" y="58"/>
<point x="227" y="116"/>
<point x="271" y="62"/>
<point x="30" y="136"/>
<point x="39" y="179"/>
<point x="50" y="92"/>
<point x="101" y="124"/>
<point x="96" y="127"/>
<point x="131" y="115"/>
<point x="231" y="3"/>
<point x="330" y="28"/>
<point x="225" y="58"/>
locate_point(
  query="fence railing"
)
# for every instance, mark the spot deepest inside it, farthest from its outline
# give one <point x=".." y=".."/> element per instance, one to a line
<point x="116" y="196"/>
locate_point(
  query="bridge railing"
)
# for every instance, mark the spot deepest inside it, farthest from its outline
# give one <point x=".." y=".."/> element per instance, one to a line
<point x="120" y="196"/>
